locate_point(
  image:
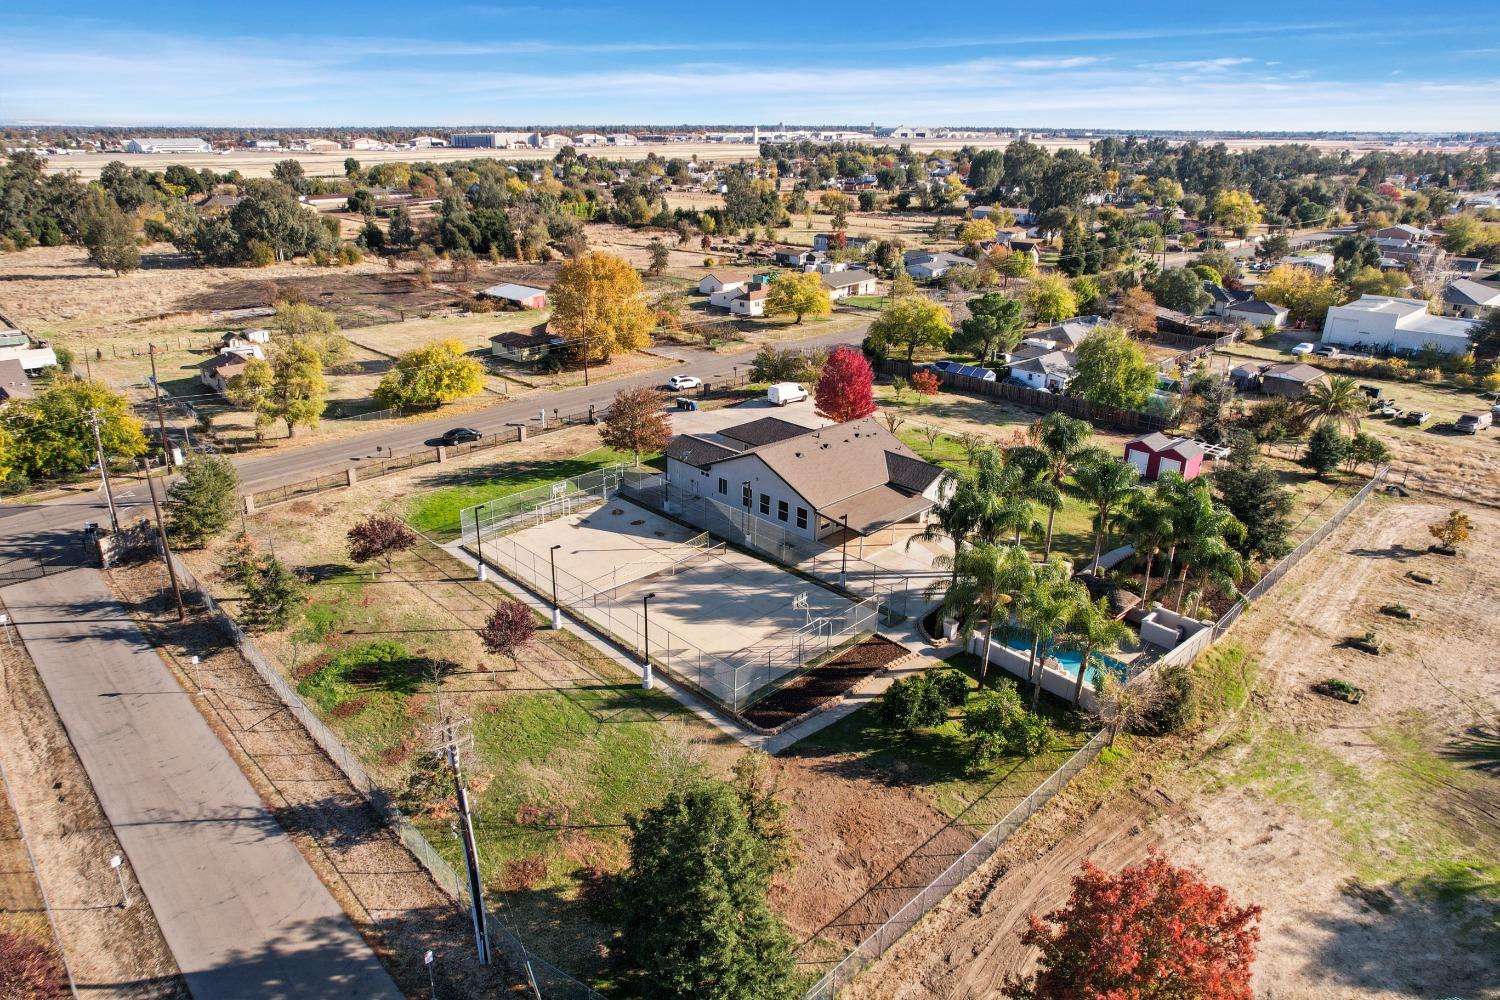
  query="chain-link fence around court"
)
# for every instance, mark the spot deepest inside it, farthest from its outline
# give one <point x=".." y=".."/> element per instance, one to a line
<point x="734" y="680"/>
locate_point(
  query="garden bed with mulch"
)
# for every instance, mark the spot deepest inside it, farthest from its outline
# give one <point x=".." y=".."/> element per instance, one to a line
<point x="826" y="683"/>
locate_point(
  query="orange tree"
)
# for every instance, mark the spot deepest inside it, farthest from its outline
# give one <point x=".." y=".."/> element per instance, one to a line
<point x="637" y="422"/>
<point x="846" y="388"/>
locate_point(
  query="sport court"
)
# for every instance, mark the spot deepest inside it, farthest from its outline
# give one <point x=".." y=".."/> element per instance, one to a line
<point x="726" y="621"/>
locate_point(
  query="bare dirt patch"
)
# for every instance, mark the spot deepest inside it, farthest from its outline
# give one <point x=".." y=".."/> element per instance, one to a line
<point x="1362" y="830"/>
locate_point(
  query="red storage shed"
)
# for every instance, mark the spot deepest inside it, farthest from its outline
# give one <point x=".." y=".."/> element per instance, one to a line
<point x="1154" y="454"/>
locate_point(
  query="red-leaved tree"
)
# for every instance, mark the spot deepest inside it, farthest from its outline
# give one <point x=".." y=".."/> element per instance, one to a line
<point x="509" y="627"/>
<point x="379" y="536"/>
<point x="926" y="383"/>
<point x="27" y="970"/>
<point x="1152" y="931"/>
<point x="846" y="388"/>
<point x="637" y="422"/>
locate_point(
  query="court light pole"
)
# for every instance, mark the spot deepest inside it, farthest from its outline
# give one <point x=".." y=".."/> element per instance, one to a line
<point x="556" y="608"/>
<point x="844" y="553"/>
<point x="646" y="639"/>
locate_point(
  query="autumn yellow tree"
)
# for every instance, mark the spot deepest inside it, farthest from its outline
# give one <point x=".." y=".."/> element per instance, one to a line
<point x="798" y="295"/>
<point x="1306" y="295"/>
<point x="599" y="307"/>
<point x="976" y="231"/>
<point x="431" y="376"/>
<point x="1236" y="210"/>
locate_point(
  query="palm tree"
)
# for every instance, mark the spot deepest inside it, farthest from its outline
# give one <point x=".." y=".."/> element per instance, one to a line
<point x="1202" y="530"/>
<point x="986" y="579"/>
<point x="1028" y="473"/>
<point x="1107" y="483"/>
<point x="1046" y="603"/>
<point x="1091" y="626"/>
<point x="954" y="518"/>
<point x="1148" y="525"/>
<point x="1338" y="399"/>
<point x="1063" y="440"/>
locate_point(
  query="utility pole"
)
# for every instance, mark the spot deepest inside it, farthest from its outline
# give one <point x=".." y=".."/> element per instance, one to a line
<point x="109" y="497"/>
<point x="451" y="739"/>
<point x="166" y="550"/>
<point x="161" y="424"/>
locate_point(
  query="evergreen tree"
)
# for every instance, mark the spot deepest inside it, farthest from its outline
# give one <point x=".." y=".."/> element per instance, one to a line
<point x="695" y="915"/>
<point x="1326" y="448"/>
<point x="201" y="503"/>
<point x="271" y="593"/>
<point x="1252" y="492"/>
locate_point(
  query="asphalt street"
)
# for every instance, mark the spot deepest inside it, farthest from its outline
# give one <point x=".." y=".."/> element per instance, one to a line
<point x="242" y="912"/>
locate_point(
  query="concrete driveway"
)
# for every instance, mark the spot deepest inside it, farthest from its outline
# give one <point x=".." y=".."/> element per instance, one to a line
<point x="242" y="912"/>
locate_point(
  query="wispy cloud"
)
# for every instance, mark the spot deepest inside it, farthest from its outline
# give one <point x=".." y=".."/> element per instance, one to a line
<point x="1206" y="65"/>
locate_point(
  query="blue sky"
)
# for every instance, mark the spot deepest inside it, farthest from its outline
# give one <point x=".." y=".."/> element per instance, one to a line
<point x="1271" y="65"/>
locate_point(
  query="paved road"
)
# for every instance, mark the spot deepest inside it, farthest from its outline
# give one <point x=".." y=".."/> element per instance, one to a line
<point x="241" y="910"/>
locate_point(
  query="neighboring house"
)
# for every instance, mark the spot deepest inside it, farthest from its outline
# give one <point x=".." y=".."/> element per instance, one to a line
<point x="717" y="281"/>
<point x="1401" y="326"/>
<point x="927" y="264"/>
<point x="1403" y="232"/>
<point x="13" y="381"/>
<point x="525" y="345"/>
<point x="1291" y="380"/>
<point x="853" y="281"/>
<point x="1257" y="313"/>
<point x="217" y="371"/>
<point x="1318" y="263"/>
<point x="810" y="482"/>
<point x="522" y="296"/>
<point x="1153" y="455"/>
<point x="1466" y="265"/>
<point x="219" y="202"/>
<point x="798" y="257"/>
<point x="1068" y="333"/>
<point x="1040" y="368"/>
<point x="824" y="242"/>
<point x="244" y="338"/>
<point x="1222" y="299"/>
<point x="1030" y="247"/>
<point x="33" y="355"/>
<point x="743" y="300"/>
<point x="1469" y="299"/>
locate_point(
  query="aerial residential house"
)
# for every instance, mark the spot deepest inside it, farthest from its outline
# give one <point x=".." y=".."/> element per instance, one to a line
<point x="1039" y="368"/>
<point x="826" y="241"/>
<point x="1222" y="299"/>
<point x="1318" y="263"/>
<point x="742" y="300"/>
<point x="1404" y="233"/>
<point x="1470" y="299"/>
<point x="853" y="281"/>
<point x="1154" y="455"/>
<point x="1400" y="326"/>
<point x="520" y="296"/>
<point x="525" y="345"/>
<point x="13" y="381"/>
<point x="246" y="340"/>
<point x="1030" y="247"/>
<point x="798" y="257"/>
<point x="1067" y="334"/>
<point x="218" y="203"/>
<point x="32" y="355"/>
<point x="167" y="144"/>
<point x="1257" y="313"/>
<point x="812" y="483"/>
<point x="1291" y="380"/>
<point x="218" y="370"/>
<point x="715" y="282"/>
<point x="922" y="264"/>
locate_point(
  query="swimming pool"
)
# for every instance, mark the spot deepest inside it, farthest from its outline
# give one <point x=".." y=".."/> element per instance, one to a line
<point x="1067" y="658"/>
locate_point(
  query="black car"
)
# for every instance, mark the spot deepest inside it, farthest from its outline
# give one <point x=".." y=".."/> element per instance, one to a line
<point x="458" y="435"/>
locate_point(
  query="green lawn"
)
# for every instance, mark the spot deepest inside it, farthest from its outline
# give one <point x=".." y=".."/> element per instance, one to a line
<point x="436" y="514"/>
<point x="938" y="760"/>
<point x="865" y="301"/>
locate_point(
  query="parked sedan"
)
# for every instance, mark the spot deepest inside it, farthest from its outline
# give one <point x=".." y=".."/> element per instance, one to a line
<point x="680" y="382"/>
<point x="1303" y="349"/>
<point x="459" y="435"/>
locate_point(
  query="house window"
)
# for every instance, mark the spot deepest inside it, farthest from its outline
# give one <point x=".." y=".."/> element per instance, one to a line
<point x="765" y="504"/>
<point x="723" y="486"/>
<point x="781" y="510"/>
<point x="802" y="518"/>
<point x="745" y="496"/>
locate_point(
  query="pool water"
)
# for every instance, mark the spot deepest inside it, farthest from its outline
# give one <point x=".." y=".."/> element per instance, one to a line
<point x="1067" y="659"/>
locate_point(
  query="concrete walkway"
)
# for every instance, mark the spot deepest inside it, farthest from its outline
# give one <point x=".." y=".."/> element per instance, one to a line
<point x="242" y="912"/>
